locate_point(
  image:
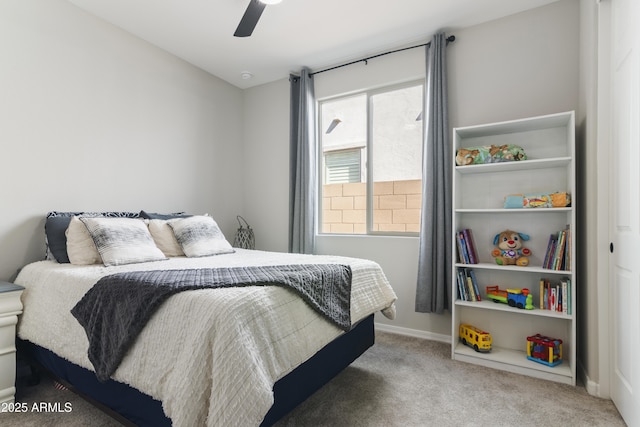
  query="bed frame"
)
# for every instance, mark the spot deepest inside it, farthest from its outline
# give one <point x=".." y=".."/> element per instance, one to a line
<point x="134" y="408"/>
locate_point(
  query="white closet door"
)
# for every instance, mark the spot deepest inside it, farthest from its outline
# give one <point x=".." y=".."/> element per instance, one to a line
<point x="625" y="214"/>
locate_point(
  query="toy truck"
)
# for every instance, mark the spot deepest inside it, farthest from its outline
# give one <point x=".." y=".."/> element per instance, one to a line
<point x="519" y="298"/>
<point x="475" y="338"/>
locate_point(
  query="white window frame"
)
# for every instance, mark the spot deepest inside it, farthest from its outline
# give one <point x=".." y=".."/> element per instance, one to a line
<point x="369" y="158"/>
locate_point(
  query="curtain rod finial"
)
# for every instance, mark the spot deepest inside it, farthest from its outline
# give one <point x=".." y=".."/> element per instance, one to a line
<point x="451" y="39"/>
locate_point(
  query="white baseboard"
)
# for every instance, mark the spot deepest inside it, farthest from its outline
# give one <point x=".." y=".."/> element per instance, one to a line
<point x="592" y="387"/>
<point x="413" y="333"/>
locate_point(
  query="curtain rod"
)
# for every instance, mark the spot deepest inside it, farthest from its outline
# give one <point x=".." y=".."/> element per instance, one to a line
<point x="449" y="40"/>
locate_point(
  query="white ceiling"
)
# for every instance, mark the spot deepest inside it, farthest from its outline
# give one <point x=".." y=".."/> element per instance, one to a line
<point x="294" y="33"/>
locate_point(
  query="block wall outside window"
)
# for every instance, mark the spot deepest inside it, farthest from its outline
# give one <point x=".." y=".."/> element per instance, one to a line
<point x="396" y="207"/>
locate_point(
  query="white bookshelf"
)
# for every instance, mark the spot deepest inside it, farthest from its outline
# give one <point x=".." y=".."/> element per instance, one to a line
<point x="478" y="199"/>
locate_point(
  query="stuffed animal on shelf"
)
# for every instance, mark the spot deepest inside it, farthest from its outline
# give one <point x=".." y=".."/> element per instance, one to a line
<point x="509" y="249"/>
<point x="489" y="154"/>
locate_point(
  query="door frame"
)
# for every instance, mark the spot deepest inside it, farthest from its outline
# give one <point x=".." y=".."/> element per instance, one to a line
<point x="605" y="301"/>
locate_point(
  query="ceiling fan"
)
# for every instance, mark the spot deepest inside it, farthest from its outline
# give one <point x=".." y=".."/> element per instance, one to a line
<point x="251" y="17"/>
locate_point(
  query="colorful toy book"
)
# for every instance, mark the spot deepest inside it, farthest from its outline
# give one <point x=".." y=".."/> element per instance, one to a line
<point x="558" y="254"/>
<point x="468" y="285"/>
<point x="467" y="253"/>
<point x="556" y="296"/>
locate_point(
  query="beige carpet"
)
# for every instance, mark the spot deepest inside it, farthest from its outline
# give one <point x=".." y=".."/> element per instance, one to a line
<point x="401" y="381"/>
<point x="405" y="381"/>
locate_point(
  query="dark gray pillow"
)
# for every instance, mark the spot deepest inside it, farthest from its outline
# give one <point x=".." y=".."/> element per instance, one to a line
<point x="153" y="215"/>
<point x="54" y="229"/>
<point x="56" y="224"/>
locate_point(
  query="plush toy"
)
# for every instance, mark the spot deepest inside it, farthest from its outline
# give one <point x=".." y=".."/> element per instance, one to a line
<point x="489" y="154"/>
<point x="510" y="250"/>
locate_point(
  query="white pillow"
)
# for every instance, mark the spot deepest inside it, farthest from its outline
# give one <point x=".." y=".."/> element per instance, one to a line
<point x="199" y="236"/>
<point x="165" y="240"/>
<point x="80" y="247"/>
<point x="122" y="240"/>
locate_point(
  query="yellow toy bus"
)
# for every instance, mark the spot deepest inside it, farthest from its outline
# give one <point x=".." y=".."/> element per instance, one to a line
<point x="475" y="338"/>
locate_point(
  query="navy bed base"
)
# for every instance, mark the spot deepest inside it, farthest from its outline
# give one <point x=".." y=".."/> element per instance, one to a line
<point x="132" y="407"/>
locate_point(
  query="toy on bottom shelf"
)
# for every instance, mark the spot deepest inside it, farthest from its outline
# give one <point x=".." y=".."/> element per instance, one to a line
<point x="475" y="338"/>
<point x="510" y="250"/>
<point x="545" y="350"/>
<point x="519" y="298"/>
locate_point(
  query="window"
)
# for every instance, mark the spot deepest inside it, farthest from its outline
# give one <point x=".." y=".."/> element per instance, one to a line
<point x="372" y="161"/>
<point x="343" y="166"/>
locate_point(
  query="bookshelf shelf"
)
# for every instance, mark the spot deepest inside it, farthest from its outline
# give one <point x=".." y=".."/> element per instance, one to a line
<point x="514" y="166"/>
<point x="515" y="211"/>
<point x="490" y="305"/>
<point x="478" y="198"/>
<point x="529" y="269"/>
<point x="514" y="361"/>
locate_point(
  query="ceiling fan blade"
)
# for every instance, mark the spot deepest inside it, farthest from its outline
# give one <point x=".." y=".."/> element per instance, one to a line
<point x="250" y="19"/>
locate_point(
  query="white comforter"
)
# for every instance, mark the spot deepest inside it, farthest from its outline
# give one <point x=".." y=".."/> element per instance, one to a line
<point x="211" y="356"/>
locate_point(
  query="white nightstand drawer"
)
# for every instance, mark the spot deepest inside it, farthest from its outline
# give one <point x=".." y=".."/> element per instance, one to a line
<point x="7" y="377"/>
<point x="10" y="308"/>
<point x="10" y="303"/>
<point x="8" y="334"/>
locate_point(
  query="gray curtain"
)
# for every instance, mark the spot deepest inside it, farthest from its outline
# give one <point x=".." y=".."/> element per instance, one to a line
<point x="303" y="185"/>
<point x="433" y="293"/>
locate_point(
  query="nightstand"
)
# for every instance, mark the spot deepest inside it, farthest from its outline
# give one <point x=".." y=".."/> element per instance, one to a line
<point x="10" y="308"/>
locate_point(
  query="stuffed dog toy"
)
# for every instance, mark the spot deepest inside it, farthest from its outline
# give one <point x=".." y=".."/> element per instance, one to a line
<point x="509" y="249"/>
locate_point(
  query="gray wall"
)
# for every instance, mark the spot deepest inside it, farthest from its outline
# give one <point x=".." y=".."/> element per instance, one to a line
<point x="92" y="118"/>
<point x="518" y="66"/>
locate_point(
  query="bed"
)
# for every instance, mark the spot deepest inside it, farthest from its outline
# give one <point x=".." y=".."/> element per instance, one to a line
<point x="205" y="356"/>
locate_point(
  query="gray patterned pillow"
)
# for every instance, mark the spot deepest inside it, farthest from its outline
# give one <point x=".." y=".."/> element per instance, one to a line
<point x="122" y="240"/>
<point x="199" y="236"/>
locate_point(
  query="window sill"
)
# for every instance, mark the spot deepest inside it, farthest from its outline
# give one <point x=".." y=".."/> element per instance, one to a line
<point x="376" y="235"/>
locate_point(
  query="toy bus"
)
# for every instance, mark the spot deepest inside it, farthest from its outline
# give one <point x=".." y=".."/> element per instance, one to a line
<point x="475" y="338"/>
<point x="519" y="298"/>
<point x="545" y="350"/>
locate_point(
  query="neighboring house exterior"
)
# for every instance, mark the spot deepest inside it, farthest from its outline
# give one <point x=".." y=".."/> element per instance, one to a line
<point x="393" y="120"/>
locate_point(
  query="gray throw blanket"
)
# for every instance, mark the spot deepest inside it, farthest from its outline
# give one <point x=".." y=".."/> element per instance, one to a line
<point x="118" y="306"/>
